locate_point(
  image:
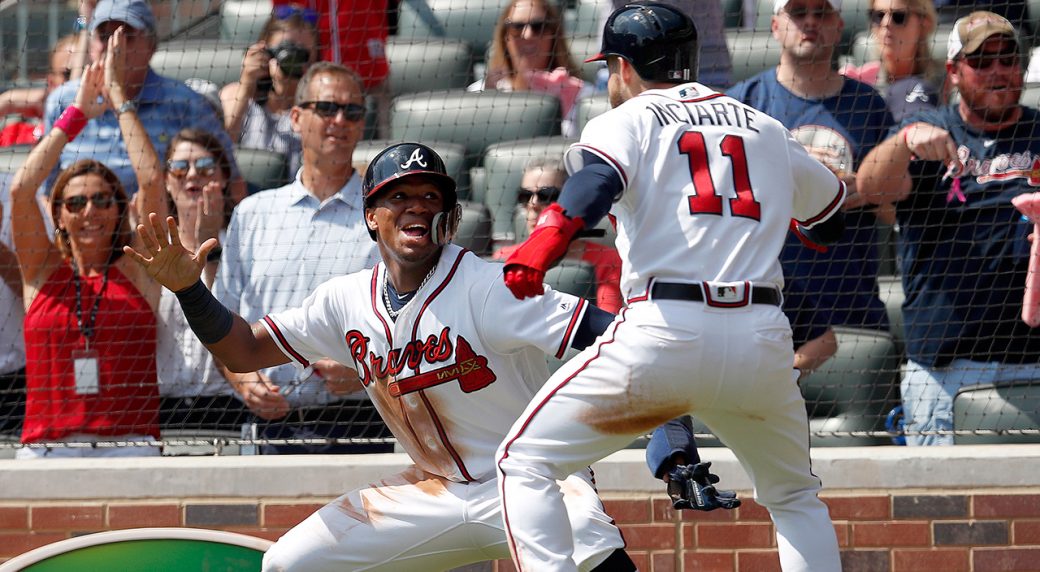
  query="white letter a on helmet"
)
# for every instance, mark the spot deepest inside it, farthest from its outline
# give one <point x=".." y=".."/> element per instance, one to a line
<point x="415" y="158"/>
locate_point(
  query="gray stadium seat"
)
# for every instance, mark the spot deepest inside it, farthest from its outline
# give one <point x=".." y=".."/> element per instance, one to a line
<point x="472" y="21"/>
<point x="475" y="229"/>
<point x="213" y="60"/>
<point x="453" y="154"/>
<point x="589" y="107"/>
<point x="890" y="288"/>
<point x="573" y="277"/>
<point x="199" y="442"/>
<point x="751" y="52"/>
<point x="242" y="20"/>
<point x="12" y="157"/>
<point x="997" y="407"/>
<point x="504" y="166"/>
<point x="427" y="64"/>
<point x="588" y="17"/>
<point x="263" y="169"/>
<point x="855" y="389"/>
<point x="474" y="119"/>
<point x="583" y="48"/>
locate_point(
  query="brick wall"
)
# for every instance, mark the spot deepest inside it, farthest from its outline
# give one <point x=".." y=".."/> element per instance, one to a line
<point x="979" y="532"/>
<point x="973" y="510"/>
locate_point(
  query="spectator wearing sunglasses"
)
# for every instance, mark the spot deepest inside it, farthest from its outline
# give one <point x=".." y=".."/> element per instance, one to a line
<point x="282" y="243"/>
<point x="256" y="108"/>
<point x="905" y="73"/>
<point x="90" y="312"/>
<point x="530" y="53"/>
<point x="164" y="105"/>
<point x="194" y="393"/>
<point x="838" y="120"/>
<point x="353" y="33"/>
<point x="540" y="187"/>
<point x="28" y="102"/>
<point x="953" y="172"/>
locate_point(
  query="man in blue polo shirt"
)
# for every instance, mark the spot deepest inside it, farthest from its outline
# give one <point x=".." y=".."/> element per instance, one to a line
<point x="964" y="245"/>
<point x="164" y="105"/>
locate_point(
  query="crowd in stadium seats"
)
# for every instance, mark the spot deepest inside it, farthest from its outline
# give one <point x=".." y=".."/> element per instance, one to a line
<point x="498" y="88"/>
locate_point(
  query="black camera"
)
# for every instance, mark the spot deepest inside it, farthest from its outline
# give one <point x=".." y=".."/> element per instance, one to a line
<point x="292" y="58"/>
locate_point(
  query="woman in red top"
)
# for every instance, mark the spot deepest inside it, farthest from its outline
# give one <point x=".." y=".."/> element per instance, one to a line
<point x="90" y="321"/>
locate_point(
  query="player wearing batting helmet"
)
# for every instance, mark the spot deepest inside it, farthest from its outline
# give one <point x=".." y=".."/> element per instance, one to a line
<point x="703" y="189"/>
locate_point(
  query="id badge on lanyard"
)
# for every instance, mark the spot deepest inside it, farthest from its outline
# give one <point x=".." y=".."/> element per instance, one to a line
<point x="85" y="367"/>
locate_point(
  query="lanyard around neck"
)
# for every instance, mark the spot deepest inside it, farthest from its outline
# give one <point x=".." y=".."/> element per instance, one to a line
<point x="87" y="327"/>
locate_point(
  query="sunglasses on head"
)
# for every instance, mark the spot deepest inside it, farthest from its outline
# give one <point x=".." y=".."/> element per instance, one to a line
<point x="204" y="167"/>
<point x="896" y="17"/>
<point x="538" y="27"/>
<point x="330" y="109"/>
<point x="104" y="200"/>
<point x="986" y="61"/>
<point x="286" y="12"/>
<point x="545" y="194"/>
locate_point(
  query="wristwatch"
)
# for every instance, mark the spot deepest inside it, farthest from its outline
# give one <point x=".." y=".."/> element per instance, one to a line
<point x="128" y="105"/>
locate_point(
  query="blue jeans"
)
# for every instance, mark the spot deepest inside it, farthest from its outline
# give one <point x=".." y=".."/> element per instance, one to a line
<point x="928" y="393"/>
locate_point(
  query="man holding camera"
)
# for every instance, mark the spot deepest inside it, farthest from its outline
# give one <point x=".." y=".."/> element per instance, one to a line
<point x="256" y="108"/>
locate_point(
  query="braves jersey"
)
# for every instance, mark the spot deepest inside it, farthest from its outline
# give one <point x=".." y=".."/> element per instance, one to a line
<point x="964" y="246"/>
<point x="710" y="187"/>
<point x="456" y="368"/>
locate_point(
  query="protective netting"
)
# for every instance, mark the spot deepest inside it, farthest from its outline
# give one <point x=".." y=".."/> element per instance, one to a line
<point x="434" y="72"/>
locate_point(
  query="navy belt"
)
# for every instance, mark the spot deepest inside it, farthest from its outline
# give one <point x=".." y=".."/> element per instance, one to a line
<point x="694" y="293"/>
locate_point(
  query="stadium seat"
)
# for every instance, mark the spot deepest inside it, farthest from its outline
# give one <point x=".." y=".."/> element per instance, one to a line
<point x="591" y="106"/>
<point x="573" y="277"/>
<point x="212" y="60"/>
<point x="587" y="18"/>
<point x="453" y="154"/>
<point x="477" y="184"/>
<point x="472" y="21"/>
<point x="475" y="229"/>
<point x="890" y="288"/>
<point x="263" y="169"/>
<point x="855" y="389"/>
<point x="583" y="48"/>
<point x="751" y="52"/>
<point x="997" y="407"/>
<point x="242" y="20"/>
<point x="474" y="119"/>
<point x="504" y="165"/>
<point x="12" y="157"/>
<point x="427" y="64"/>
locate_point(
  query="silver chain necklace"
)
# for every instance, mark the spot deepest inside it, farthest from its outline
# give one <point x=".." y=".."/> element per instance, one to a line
<point x="386" y="291"/>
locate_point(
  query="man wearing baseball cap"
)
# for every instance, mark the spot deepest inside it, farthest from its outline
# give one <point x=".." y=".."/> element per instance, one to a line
<point x="164" y="105"/>
<point x="838" y="120"/>
<point x="964" y="246"/>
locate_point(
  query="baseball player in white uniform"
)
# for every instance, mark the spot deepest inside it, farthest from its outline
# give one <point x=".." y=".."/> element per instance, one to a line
<point x="450" y="359"/>
<point x="703" y="189"/>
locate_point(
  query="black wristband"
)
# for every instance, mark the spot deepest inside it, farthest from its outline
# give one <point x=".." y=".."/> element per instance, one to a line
<point x="209" y="319"/>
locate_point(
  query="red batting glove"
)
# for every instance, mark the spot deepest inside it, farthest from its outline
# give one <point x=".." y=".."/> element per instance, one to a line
<point x="525" y="268"/>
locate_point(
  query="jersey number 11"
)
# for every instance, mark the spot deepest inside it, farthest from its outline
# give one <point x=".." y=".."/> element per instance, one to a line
<point x="704" y="199"/>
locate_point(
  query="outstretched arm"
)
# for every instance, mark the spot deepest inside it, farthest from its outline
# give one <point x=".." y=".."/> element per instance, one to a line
<point x="241" y="347"/>
<point x="884" y="176"/>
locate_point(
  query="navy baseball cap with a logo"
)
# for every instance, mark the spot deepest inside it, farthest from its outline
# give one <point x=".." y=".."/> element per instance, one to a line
<point x="135" y="13"/>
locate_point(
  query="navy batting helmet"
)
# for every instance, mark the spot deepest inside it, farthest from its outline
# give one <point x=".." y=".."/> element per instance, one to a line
<point x="658" y="40"/>
<point x="404" y="160"/>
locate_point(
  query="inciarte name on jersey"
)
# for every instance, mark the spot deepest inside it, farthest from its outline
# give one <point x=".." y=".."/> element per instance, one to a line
<point x="711" y="112"/>
<point x="468" y="368"/>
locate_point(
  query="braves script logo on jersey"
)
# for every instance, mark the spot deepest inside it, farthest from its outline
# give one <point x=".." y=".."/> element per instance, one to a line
<point x="417" y="158"/>
<point x="1024" y="165"/>
<point x="469" y="369"/>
